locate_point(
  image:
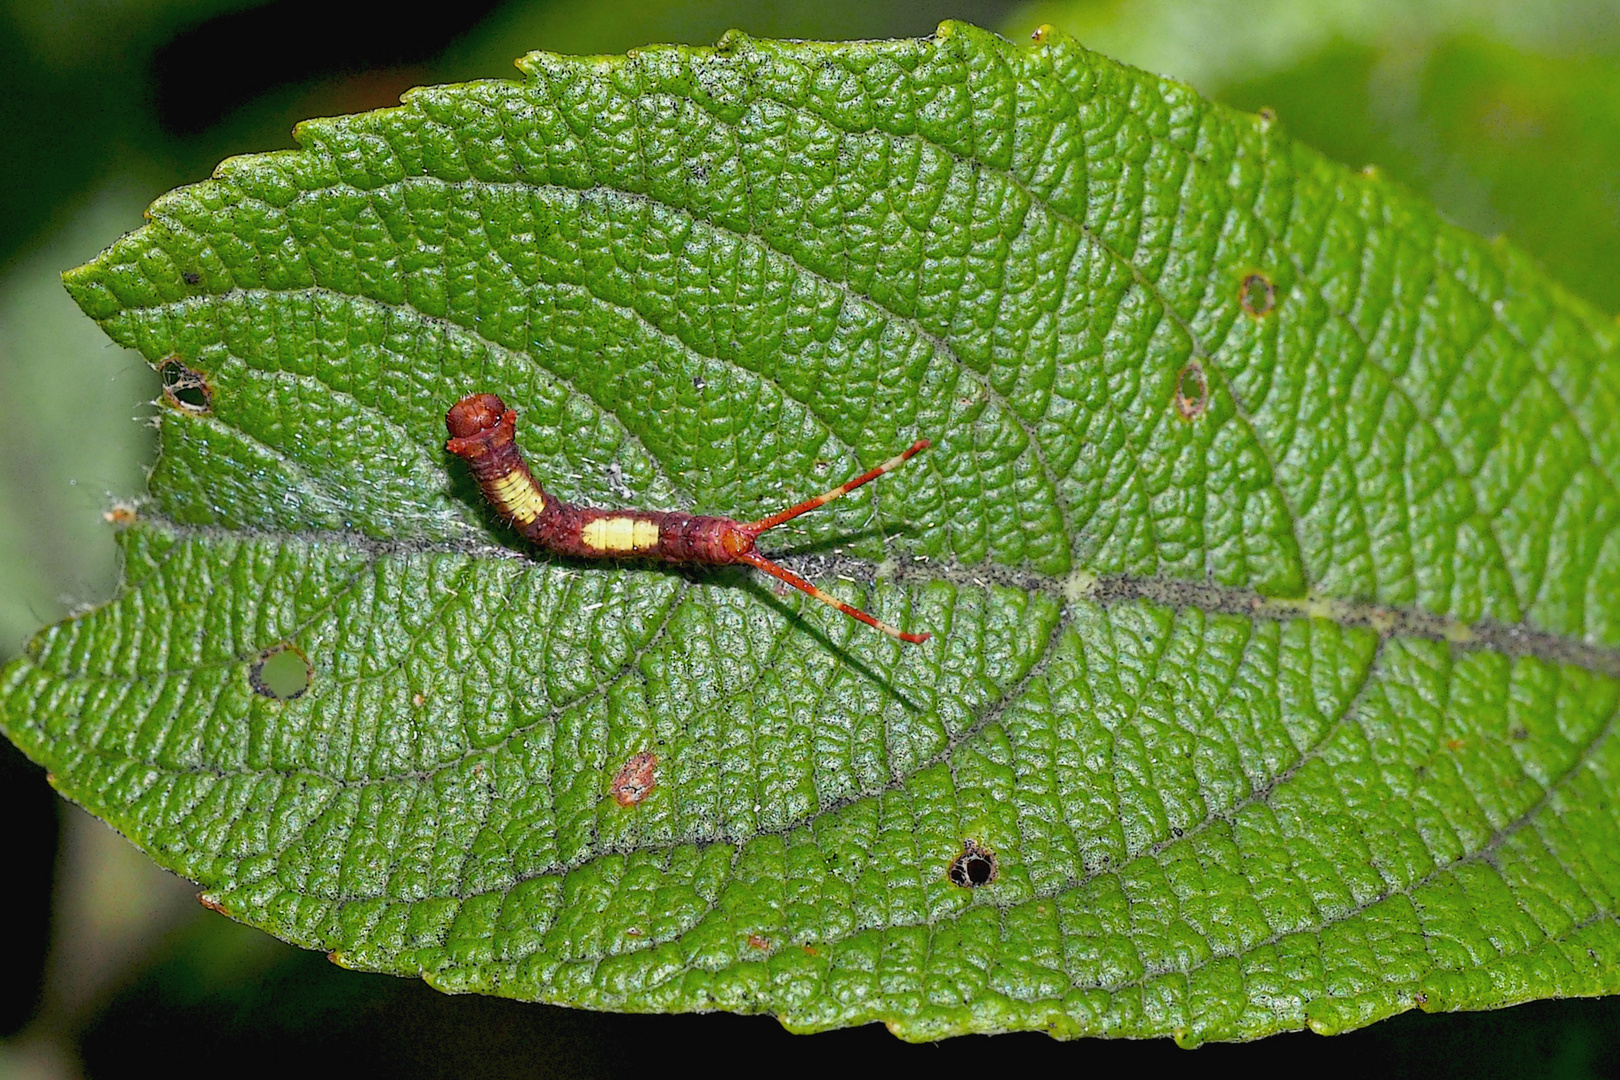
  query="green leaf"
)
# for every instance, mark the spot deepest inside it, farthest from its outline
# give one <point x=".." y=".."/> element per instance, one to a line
<point x="1268" y="536"/>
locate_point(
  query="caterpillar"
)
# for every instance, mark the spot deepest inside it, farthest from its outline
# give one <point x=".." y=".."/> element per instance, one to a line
<point x="483" y="433"/>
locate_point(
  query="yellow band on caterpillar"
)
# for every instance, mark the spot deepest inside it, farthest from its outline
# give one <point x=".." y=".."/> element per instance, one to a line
<point x="620" y="534"/>
<point x="516" y="495"/>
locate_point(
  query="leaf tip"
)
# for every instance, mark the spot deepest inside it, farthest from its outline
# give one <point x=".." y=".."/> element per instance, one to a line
<point x="88" y="287"/>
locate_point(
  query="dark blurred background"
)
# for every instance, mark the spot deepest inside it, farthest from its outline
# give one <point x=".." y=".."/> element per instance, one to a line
<point x="1505" y="114"/>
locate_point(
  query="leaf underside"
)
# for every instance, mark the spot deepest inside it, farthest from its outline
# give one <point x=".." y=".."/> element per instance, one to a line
<point x="1268" y="537"/>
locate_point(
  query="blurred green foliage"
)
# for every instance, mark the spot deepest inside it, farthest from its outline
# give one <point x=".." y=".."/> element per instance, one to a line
<point x="68" y="399"/>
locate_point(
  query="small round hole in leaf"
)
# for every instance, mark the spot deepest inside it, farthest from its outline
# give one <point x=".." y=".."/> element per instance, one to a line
<point x="1192" y="391"/>
<point x="976" y="866"/>
<point x="184" y="388"/>
<point x="281" y="673"/>
<point x="1257" y="295"/>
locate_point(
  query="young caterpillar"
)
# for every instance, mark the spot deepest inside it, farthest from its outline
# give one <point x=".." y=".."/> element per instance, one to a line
<point x="483" y="433"/>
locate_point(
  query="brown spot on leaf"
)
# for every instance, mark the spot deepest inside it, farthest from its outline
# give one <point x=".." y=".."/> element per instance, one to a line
<point x="976" y="866"/>
<point x="1257" y="295"/>
<point x="755" y="941"/>
<point x="282" y="673"/>
<point x="210" y="903"/>
<point x="184" y="388"/>
<point x="636" y="779"/>
<point x="190" y="277"/>
<point x="1192" y="391"/>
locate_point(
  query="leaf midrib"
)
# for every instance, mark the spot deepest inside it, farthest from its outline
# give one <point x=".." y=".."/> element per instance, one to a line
<point x="1104" y="590"/>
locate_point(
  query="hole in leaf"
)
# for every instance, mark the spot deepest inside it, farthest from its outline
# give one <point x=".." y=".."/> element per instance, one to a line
<point x="1257" y="295"/>
<point x="185" y="389"/>
<point x="1192" y="391"/>
<point x="976" y="866"/>
<point x="281" y="673"/>
<point x="636" y="779"/>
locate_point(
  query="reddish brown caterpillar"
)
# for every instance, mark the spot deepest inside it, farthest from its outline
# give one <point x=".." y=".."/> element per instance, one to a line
<point x="483" y="431"/>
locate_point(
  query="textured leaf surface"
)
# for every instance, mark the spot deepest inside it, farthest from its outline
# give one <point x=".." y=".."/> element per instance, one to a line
<point x="1268" y="535"/>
